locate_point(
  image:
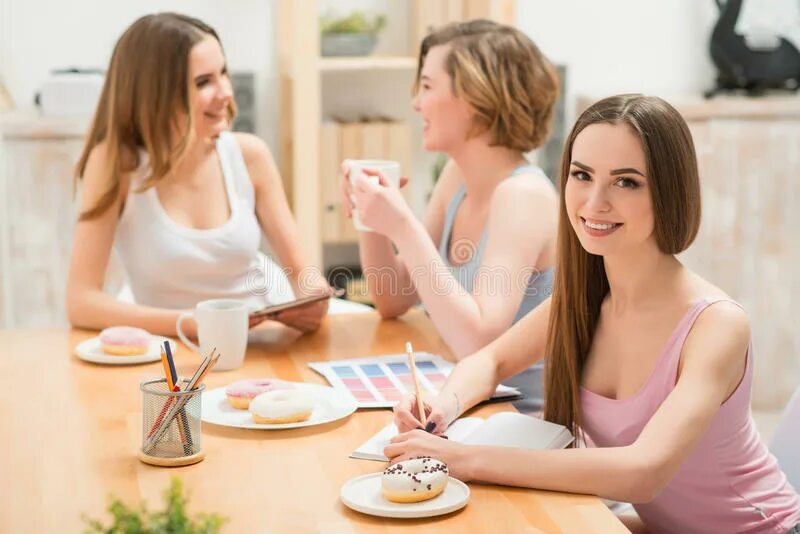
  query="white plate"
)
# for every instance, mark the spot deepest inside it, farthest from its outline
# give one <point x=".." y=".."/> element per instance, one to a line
<point x="91" y="351"/>
<point x="329" y="405"/>
<point x="363" y="494"/>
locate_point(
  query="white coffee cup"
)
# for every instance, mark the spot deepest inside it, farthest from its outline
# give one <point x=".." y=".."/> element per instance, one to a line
<point x="390" y="169"/>
<point x="222" y="324"/>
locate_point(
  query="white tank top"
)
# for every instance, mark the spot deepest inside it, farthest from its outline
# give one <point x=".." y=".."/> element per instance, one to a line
<point x="173" y="266"/>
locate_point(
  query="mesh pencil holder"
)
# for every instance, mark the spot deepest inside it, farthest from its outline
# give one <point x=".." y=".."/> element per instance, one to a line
<point x="171" y="424"/>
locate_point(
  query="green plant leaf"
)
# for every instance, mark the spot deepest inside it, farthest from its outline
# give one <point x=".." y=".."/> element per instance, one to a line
<point x="355" y="22"/>
<point x="172" y="520"/>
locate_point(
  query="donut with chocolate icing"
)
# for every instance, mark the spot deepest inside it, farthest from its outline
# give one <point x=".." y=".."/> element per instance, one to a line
<point x="414" y="480"/>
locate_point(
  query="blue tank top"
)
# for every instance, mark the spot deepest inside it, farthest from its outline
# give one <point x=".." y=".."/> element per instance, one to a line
<point x="540" y="284"/>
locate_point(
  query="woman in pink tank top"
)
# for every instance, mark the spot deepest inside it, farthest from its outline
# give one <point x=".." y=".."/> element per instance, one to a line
<point x="648" y="364"/>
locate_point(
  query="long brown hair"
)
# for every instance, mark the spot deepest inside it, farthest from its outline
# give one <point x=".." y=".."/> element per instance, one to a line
<point x="503" y="76"/>
<point x="581" y="283"/>
<point x="146" y="88"/>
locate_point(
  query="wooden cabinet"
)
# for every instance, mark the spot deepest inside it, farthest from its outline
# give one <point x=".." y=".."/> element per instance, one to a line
<point x="749" y="156"/>
<point x="303" y="92"/>
<point x="37" y="216"/>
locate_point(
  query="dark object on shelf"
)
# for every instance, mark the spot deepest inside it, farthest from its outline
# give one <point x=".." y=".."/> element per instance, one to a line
<point x="341" y="276"/>
<point x="351" y="279"/>
<point x="741" y="66"/>
<point x="244" y="93"/>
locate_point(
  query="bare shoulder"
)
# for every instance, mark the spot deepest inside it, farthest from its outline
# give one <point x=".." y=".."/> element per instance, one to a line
<point x="719" y="338"/>
<point x="530" y="185"/>
<point x="96" y="163"/>
<point x="254" y="149"/>
<point x="258" y="159"/>
<point x="528" y="197"/>
<point x="724" y="319"/>
<point x="96" y="179"/>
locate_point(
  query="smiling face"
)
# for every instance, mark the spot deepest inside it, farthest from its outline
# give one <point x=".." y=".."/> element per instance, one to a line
<point x="607" y="193"/>
<point x="446" y="118"/>
<point x="210" y="93"/>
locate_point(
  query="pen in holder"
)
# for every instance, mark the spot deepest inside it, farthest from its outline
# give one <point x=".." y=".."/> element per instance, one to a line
<point x="171" y="424"/>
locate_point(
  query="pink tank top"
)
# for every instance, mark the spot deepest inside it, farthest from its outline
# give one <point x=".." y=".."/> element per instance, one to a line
<point x="729" y="483"/>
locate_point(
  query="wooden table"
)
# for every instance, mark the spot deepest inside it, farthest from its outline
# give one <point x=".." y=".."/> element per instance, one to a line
<point x="69" y="434"/>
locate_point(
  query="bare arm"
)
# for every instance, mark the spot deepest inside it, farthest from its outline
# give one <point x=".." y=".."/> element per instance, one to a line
<point x="275" y="217"/>
<point x="278" y="225"/>
<point x="522" y="220"/>
<point x="713" y="365"/>
<point x="389" y="283"/>
<point x="474" y="379"/>
<point x="88" y="306"/>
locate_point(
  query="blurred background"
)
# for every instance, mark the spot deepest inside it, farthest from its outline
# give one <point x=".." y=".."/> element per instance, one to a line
<point x="323" y="80"/>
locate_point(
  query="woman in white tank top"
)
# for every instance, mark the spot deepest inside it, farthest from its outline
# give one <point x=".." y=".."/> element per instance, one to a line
<point x="182" y="200"/>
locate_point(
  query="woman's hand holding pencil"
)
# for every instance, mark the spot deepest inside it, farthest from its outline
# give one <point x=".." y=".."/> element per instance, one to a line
<point x="412" y="412"/>
<point x="438" y="414"/>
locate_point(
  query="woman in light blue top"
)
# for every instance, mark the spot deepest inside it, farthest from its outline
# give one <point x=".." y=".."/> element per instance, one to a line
<point x="483" y="256"/>
<point x="538" y="288"/>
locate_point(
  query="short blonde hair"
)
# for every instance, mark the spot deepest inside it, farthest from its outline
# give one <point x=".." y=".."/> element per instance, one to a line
<point x="503" y="76"/>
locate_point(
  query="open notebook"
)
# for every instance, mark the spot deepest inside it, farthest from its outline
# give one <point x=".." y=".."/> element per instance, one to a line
<point x="504" y="429"/>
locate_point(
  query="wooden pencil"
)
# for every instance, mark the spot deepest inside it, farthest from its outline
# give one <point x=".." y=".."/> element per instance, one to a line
<point x="413" y="365"/>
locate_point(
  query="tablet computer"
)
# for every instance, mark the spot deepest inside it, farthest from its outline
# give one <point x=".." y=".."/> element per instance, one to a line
<point x="299" y="303"/>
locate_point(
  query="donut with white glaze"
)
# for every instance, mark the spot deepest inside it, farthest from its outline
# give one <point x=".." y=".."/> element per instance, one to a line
<point x="281" y="406"/>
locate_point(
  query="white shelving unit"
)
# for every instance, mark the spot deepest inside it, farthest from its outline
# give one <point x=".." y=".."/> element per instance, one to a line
<point x="369" y="63"/>
<point x="37" y="215"/>
<point x="303" y="90"/>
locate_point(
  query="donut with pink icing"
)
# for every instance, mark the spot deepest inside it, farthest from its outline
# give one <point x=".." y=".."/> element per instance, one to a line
<point x="241" y="392"/>
<point x="124" y="341"/>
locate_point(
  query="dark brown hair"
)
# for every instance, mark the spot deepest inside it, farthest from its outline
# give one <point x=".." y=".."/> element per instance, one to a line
<point x="503" y="76"/>
<point x="146" y="85"/>
<point x="581" y="283"/>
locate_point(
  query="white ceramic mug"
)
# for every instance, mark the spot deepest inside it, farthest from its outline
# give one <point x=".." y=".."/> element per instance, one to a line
<point x="222" y="324"/>
<point x="390" y="169"/>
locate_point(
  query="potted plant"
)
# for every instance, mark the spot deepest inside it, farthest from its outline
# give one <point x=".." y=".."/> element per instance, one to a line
<point x="174" y="519"/>
<point x="353" y="35"/>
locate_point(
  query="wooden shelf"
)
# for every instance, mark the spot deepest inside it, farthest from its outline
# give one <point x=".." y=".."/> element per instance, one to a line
<point x="694" y="107"/>
<point x="334" y="64"/>
<point x="34" y="125"/>
<point x="302" y="71"/>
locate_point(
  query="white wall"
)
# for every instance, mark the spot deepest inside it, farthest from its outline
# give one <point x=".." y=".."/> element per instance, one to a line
<point x="651" y="46"/>
<point x="39" y="35"/>
<point x="612" y="46"/>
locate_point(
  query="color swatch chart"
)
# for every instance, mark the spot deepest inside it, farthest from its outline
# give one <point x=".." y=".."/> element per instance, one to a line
<point x="381" y="381"/>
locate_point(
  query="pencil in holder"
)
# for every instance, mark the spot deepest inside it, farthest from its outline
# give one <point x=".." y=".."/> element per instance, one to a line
<point x="171" y="424"/>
